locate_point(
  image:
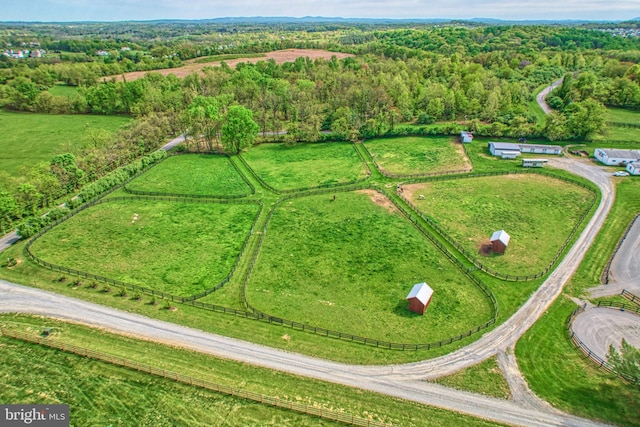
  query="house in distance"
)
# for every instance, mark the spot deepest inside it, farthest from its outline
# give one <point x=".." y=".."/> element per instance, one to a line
<point x="419" y="297"/>
<point x="499" y="241"/>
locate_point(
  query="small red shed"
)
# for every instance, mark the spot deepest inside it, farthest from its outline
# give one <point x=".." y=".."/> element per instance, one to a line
<point x="499" y="241"/>
<point x="419" y="297"/>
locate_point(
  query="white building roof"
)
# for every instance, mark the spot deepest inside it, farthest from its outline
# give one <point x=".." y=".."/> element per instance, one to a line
<point x="422" y="292"/>
<point x="502" y="236"/>
<point x="620" y="154"/>
<point x="554" y="147"/>
<point x="505" y="146"/>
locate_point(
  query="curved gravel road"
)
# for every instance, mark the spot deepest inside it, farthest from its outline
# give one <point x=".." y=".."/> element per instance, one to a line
<point x="542" y="96"/>
<point x="599" y="328"/>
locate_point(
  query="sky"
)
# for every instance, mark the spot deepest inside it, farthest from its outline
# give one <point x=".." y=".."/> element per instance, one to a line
<point x="120" y="10"/>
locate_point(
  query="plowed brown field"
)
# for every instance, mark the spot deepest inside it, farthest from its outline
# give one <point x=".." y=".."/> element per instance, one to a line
<point x="280" y="56"/>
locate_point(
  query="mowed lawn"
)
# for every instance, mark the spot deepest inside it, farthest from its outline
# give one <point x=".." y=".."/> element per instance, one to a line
<point x="348" y="265"/>
<point x="414" y="155"/>
<point x="538" y="213"/>
<point x="28" y="138"/>
<point x="178" y="248"/>
<point x="198" y="174"/>
<point x="287" y="167"/>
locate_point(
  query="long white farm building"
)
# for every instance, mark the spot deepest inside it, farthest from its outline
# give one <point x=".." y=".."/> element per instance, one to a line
<point x="616" y="157"/>
<point x="508" y="150"/>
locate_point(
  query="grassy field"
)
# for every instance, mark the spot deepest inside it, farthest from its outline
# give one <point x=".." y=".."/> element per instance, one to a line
<point x="98" y="392"/>
<point x="484" y="378"/>
<point x="288" y="167"/>
<point x="561" y="375"/>
<point x="160" y="245"/>
<point x="31" y="138"/>
<point x="199" y="174"/>
<point x="538" y="213"/>
<point x="412" y="155"/>
<point x="348" y="264"/>
<point x="622" y="115"/>
<point x="63" y="90"/>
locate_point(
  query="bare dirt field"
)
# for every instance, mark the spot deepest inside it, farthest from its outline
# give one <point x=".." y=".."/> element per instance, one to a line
<point x="280" y="56"/>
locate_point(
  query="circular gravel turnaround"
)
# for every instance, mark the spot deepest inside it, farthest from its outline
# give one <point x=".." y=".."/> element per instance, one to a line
<point x="600" y="328"/>
<point x="625" y="267"/>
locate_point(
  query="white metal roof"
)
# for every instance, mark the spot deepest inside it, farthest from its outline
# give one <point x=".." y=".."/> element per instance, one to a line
<point x="421" y="291"/>
<point x="620" y="154"/>
<point x="502" y="236"/>
<point x="505" y="146"/>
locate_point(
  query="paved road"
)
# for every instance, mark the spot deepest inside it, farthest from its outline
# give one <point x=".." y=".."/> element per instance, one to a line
<point x="16" y="298"/>
<point x="541" y="97"/>
<point x="599" y="328"/>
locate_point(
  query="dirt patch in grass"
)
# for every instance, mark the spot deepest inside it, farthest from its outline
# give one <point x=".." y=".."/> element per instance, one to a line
<point x="380" y="200"/>
<point x="409" y="190"/>
<point x="280" y="56"/>
<point x="484" y="248"/>
<point x="463" y="154"/>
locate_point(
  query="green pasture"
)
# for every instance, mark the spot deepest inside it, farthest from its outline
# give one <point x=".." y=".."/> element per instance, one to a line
<point x="622" y="115"/>
<point x="560" y="374"/>
<point x="63" y="90"/>
<point x="287" y="167"/>
<point x="484" y="378"/>
<point x="538" y="212"/>
<point x="198" y="174"/>
<point x="413" y="155"/>
<point x="178" y="248"/>
<point x="348" y="265"/>
<point x="99" y="394"/>
<point x="117" y="395"/>
<point x="29" y="138"/>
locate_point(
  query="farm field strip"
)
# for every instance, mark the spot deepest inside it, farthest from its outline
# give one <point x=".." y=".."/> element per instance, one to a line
<point x="406" y="155"/>
<point x="200" y="175"/>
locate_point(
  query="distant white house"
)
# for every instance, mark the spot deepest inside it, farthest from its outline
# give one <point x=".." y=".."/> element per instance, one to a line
<point x="533" y="163"/>
<point x="506" y="150"/>
<point x="615" y="157"/>
<point x="633" y="168"/>
<point x="466" y="137"/>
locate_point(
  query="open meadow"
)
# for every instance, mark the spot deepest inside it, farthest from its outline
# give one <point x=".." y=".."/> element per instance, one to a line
<point x="174" y="247"/>
<point x="31" y="138"/>
<point x="411" y="155"/>
<point x="538" y="212"/>
<point x="348" y="264"/>
<point x="288" y="167"/>
<point x="192" y="174"/>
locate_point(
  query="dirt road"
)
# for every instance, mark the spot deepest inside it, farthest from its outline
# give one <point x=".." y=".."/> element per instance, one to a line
<point x="542" y="96"/>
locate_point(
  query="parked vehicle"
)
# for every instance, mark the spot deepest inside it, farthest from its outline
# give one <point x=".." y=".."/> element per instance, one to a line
<point x="621" y="173"/>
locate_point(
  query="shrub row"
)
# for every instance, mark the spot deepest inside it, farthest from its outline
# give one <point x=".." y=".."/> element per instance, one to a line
<point x="33" y="224"/>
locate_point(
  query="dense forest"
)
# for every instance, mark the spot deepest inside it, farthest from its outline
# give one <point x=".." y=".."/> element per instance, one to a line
<point x="438" y="78"/>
